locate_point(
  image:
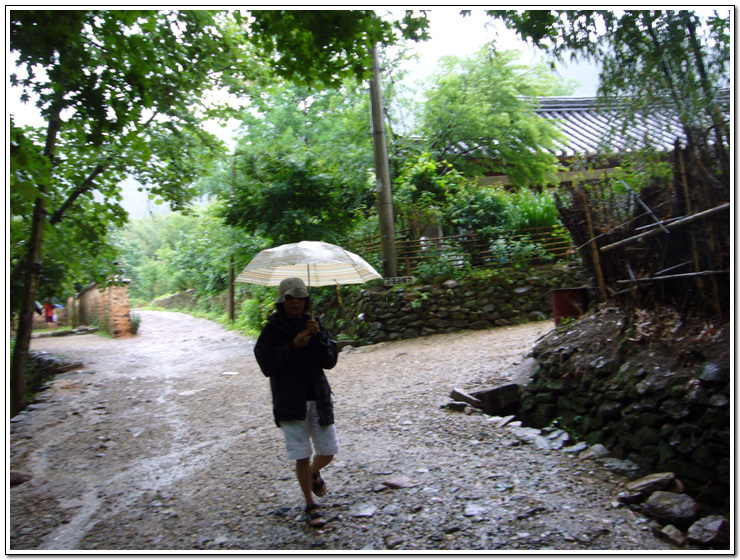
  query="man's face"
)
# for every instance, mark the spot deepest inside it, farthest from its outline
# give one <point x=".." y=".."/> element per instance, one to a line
<point x="294" y="306"/>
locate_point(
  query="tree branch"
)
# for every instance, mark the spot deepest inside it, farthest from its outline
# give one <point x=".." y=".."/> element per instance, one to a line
<point x="670" y="81"/>
<point x="88" y="183"/>
<point x="709" y="103"/>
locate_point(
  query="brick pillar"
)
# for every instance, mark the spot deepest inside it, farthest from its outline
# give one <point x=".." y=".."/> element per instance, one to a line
<point x="120" y="307"/>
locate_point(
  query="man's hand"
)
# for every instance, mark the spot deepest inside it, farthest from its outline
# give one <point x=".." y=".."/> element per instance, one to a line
<point x="302" y="339"/>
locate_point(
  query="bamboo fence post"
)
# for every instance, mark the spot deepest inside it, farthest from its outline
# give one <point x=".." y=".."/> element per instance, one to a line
<point x="594" y="248"/>
<point x="684" y="182"/>
<point x="692" y="236"/>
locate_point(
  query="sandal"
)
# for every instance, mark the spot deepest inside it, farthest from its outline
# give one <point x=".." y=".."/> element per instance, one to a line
<point x="315" y="519"/>
<point x="318" y="486"/>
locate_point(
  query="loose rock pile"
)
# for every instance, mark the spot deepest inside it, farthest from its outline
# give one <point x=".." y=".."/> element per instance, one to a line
<point x="659" y="496"/>
<point x="82" y="329"/>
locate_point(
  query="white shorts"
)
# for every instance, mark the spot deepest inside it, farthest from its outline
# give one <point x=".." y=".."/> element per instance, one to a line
<point x="300" y="433"/>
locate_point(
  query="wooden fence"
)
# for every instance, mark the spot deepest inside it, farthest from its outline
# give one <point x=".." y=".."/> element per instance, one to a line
<point x="499" y="249"/>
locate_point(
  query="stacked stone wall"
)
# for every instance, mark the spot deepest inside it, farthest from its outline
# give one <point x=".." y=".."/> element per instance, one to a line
<point x="183" y="300"/>
<point x="651" y="411"/>
<point x="410" y="311"/>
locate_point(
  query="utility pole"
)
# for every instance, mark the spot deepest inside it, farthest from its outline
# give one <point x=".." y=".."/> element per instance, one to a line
<point x="230" y="302"/>
<point x="382" y="174"/>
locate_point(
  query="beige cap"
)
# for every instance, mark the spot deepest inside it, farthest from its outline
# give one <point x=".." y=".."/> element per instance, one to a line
<point x="291" y="287"/>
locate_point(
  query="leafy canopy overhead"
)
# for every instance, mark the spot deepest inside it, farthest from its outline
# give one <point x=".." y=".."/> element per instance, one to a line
<point x="326" y="46"/>
<point x="123" y="93"/>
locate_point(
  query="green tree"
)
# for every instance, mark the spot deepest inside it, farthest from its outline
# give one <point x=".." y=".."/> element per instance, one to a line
<point x="114" y="88"/>
<point x="301" y="164"/>
<point x="422" y="190"/>
<point x="122" y="93"/>
<point x="286" y="197"/>
<point x="144" y="245"/>
<point x="202" y="255"/>
<point x="175" y="252"/>
<point x="478" y="114"/>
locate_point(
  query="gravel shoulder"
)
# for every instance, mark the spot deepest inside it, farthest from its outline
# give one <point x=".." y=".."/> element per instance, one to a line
<point x="165" y="441"/>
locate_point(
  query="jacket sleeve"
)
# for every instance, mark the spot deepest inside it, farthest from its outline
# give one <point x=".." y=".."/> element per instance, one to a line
<point x="274" y="355"/>
<point x="325" y="348"/>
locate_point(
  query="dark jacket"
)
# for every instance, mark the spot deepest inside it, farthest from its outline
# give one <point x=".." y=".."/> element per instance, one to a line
<point x="287" y="365"/>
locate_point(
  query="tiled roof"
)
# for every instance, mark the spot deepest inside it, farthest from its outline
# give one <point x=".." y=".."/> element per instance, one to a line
<point x="589" y="128"/>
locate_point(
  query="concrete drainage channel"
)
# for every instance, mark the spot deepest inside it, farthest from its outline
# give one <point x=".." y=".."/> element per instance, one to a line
<point x="675" y="516"/>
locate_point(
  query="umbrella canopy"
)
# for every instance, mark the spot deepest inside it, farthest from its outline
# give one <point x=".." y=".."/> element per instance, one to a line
<point x="315" y="262"/>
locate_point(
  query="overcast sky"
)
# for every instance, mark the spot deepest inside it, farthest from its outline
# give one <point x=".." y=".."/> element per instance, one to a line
<point x="453" y="34"/>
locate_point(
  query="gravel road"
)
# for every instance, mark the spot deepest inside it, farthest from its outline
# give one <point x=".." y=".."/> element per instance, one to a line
<point x="165" y="441"/>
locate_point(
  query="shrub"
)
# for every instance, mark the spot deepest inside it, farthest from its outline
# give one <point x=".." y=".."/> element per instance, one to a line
<point x="531" y="210"/>
<point x="253" y="314"/>
<point x="518" y="251"/>
<point x="476" y="208"/>
<point x="443" y="263"/>
<point x="135" y="321"/>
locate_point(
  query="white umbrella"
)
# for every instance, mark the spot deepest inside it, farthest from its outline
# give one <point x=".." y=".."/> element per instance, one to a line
<point x="315" y="262"/>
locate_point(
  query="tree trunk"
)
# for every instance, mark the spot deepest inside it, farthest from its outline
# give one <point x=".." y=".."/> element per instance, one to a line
<point x="19" y="363"/>
<point x="31" y="275"/>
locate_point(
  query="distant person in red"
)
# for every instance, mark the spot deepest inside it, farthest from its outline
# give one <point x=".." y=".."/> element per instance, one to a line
<point x="49" y="313"/>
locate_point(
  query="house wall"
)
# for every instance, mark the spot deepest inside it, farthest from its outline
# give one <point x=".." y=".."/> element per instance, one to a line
<point x="108" y="309"/>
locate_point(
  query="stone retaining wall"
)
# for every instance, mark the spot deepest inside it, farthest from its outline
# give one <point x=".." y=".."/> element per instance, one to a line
<point x="183" y="300"/>
<point x="661" y="417"/>
<point x="42" y="367"/>
<point x="410" y="311"/>
<point x="188" y="300"/>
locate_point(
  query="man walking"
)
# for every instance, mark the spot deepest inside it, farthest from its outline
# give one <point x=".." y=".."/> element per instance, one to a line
<point x="293" y="350"/>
